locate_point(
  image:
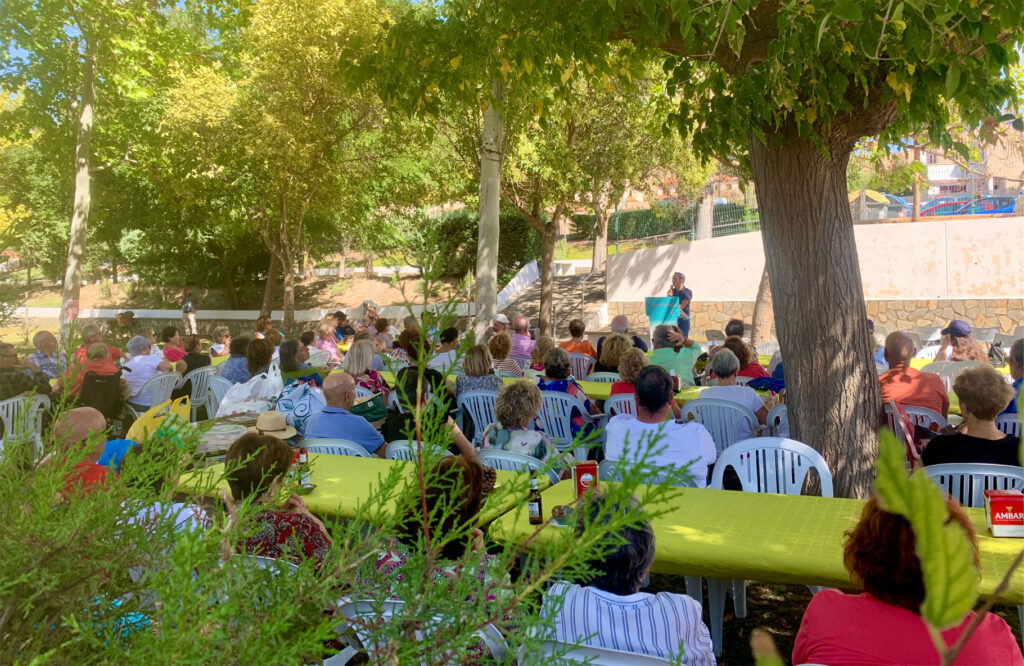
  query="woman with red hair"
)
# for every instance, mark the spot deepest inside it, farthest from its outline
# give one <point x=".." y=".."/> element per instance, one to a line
<point x="882" y="625"/>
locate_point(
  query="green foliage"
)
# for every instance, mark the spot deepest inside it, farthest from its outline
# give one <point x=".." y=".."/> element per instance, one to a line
<point x="942" y="546"/>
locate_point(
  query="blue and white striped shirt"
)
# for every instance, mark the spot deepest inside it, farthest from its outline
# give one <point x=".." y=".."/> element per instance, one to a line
<point x="659" y="625"/>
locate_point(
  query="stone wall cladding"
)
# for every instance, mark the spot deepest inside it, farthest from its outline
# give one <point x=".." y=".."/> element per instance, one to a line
<point x="1005" y="313"/>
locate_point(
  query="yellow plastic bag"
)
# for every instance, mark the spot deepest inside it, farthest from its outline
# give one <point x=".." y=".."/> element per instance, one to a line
<point x="151" y="419"/>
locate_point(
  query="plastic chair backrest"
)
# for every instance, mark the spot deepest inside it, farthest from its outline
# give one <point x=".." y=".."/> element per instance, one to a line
<point x="218" y="388"/>
<point x="585" y="653"/>
<point x="772" y="465"/>
<point x="556" y="416"/>
<point x="150" y="420"/>
<point x="403" y="449"/>
<point x="721" y="418"/>
<point x="507" y="373"/>
<point x="612" y="470"/>
<point x="480" y="407"/>
<point x="985" y="335"/>
<point x="523" y="361"/>
<point x="269" y="563"/>
<point x="928" y="353"/>
<point x="768" y="348"/>
<point x="336" y="447"/>
<point x="319" y="358"/>
<point x="622" y="403"/>
<point x="582" y="364"/>
<point x="949" y="371"/>
<point x="740" y="381"/>
<point x="1009" y="423"/>
<point x="714" y="334"/>
<point x="199" y="387"/>
<point x="363" y="392"/>
<point x="513" y="462"/>
<point x="605" y="377"/>
<point x="778" y="420"/>
<point x="394" y="403"/>
<point x="160" y="387"/>
<point x="382" y="611"/>
<point x="22" y="418"/>
<point x="1006" y="341"/>
<point x="928" y="333"/>
<point x="967" y="482"/>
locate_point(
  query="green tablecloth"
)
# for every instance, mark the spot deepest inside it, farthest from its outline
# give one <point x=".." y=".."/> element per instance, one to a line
<point x="343" y="483"/>
<point x="771" y="538"/>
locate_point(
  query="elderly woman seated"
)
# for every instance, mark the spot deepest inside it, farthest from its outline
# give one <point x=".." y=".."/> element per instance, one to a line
<point x="358" y="363"/>
<point x="258" y="356"/>
<point x="221" y="340"/>
<point x="726" y="367"/>
<point x="983" y="393"/>
<point x="500" y="346"/>
<point x="478" y="374"/>
<point x="173" y="349"/>
<point x="557" y="371"/>
<point x="540" y="347"/>
<point x="235" y="369"/>
<point x="326" y="341"/>
<point x="882" y="624"/>
<point x="516" y="408"/>
<point x="255" y="467"/>
<point x="612" y="349"/>
<point x="610" y="611"/>
<point x="630" y="365"/>
<point x="293" y="355"/>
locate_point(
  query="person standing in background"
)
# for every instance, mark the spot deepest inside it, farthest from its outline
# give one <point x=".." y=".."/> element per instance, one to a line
<point x="188" y="313"/>
<point x="679" y="290"/>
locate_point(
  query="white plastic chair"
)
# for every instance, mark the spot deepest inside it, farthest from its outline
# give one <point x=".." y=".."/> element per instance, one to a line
<point x="949" y="371"/>
<point x="764" y="465"/>
<point x="1009" y="423"/>
<point x="585" y="653"/>
<point x="622" y="403"/>
<point x="523" y="361"/>
<point x="612" y="470"/>
<point x="927" y="353"/>
<point x="740" y="381"/>
<point x="22" y="418"/>
<point x="394" y="403"/>
<point x="402" y="449"/>
<point x="217" y="389"/>
<point x="363" y="392"/>
<point x="160" y="387"/>
<point x="1005" y="341"/>
<point x="556" y="418"/>
<point x="723" y="419"/>
<point x="582" y="364"/>
<point x="778" y="420"/>
<point x="199" y="390"/>
<point x="269" y="563"/>
<point x="336" y="447"/>
<point x="919" y="416"/>
<point x="318" y="358"/>
<point x="985" y="335"/>
<point x="380" y="611"/>
<point x="967" y="482"/>
<point x="479" y="405"/>
<point x="605" y="377"/>
<point x="928" y="333"/>
<point x="768" y="348"/>
<point x="714" y="335"/>
<point x="514" y="462"/>
<point x="507" y="373"/>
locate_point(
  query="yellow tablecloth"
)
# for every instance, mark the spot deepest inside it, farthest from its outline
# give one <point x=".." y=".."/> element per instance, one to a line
<point x="217" y="360"/>
<point x="344" y="483"/>
<point x="771" y="538"/>
<point x="918" y="363"/>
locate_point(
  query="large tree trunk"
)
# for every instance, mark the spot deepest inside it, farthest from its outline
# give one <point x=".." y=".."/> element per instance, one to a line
<point x="491" y="145"/>
<point x="915" y="211"/>
<point x="764" y="313"/>
<point x="271" y="286"/>
<point x="80" y="214"/>
<point x="228" y="273"/>
<point x="368" y="265"/>
<point x="600" y="205"/>
<point x="341" y="261"/>
<point x="549" y="238"/>
<point x="705" y="218"/>
<point x="831" y="384"/>
<point x="288" y="296"/>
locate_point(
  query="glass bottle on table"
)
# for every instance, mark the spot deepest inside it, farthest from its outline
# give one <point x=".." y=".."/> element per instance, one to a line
<point x="533" y="502"/>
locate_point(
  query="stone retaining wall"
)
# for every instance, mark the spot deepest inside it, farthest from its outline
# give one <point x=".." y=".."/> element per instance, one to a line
<point x="1005" y="313"/>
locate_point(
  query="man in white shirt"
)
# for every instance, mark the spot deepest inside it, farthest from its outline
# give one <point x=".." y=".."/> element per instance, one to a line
<point x="140" y="368"/>
<point x="671" y="444"/>
<point x="611" y="611"/>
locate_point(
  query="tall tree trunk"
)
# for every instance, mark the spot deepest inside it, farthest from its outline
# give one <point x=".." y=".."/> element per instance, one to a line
<point x="113" y="262"/>
<point x="307" y="266"/>
<point x="832" y="387"/>
<point x="915" y="212"/>
<point x="764" y="313"/>
<point x="368" y="265"/>
<point x="271" y="286"/>
<point x="600" y="206"/>
<point x="288" y="294"/>
<point x="228" y="273"/>
<point x="80" y="214"/>
<point x="341" y="261"/>
<point x="704" y="223"/>
<point x="549" y="238"/>
<point x="491" y="145"/>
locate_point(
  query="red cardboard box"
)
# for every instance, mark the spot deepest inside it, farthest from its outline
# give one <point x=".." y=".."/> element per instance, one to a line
<point x="1004" y="512"/>
<point x="584" y="476"/>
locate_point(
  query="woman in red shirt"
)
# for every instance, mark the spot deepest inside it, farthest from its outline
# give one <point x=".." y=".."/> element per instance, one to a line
<point x="259" y="463"/>
<point x="882" y="625"/>
<point x="749" y="367"/>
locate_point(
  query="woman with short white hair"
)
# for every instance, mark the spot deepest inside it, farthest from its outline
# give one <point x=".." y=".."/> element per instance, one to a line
<point x="726" y="365"/>
<point x="141" y="367"/>
<point x="358" y="362"/>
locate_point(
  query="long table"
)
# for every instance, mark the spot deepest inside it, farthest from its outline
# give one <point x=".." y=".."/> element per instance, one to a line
<point x="765" y="537"/>
<point x="345" y="483"/>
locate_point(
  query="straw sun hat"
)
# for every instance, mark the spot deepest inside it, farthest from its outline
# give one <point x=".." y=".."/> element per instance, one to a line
<point x="272" y="423"/>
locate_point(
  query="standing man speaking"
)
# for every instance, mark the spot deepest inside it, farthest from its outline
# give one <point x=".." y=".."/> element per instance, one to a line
<point x="679" y="290"/>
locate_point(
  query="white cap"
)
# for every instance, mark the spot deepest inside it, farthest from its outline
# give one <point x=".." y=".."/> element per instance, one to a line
<point x="500" y="319"/>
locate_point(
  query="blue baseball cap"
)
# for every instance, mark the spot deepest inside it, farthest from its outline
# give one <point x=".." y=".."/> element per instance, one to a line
<point x="958" y="328"/>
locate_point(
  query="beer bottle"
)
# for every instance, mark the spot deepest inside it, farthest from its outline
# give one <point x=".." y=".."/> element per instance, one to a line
<point x="303" y="467"/>
<point x="533" y="503"/>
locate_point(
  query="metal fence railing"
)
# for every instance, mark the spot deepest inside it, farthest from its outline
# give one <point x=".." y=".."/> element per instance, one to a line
<point x="671" y="222"/>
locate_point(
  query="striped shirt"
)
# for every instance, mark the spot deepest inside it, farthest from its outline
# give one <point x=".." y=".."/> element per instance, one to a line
<point x="658" y="625"/>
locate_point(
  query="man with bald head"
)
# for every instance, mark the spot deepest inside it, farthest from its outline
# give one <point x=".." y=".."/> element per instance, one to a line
<point x="337" y="422"/>
<point x="906" y="385"/>
<point x="70" y="434"/>
<point x="522" y="343"/>
<point x="620" y="324"/>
